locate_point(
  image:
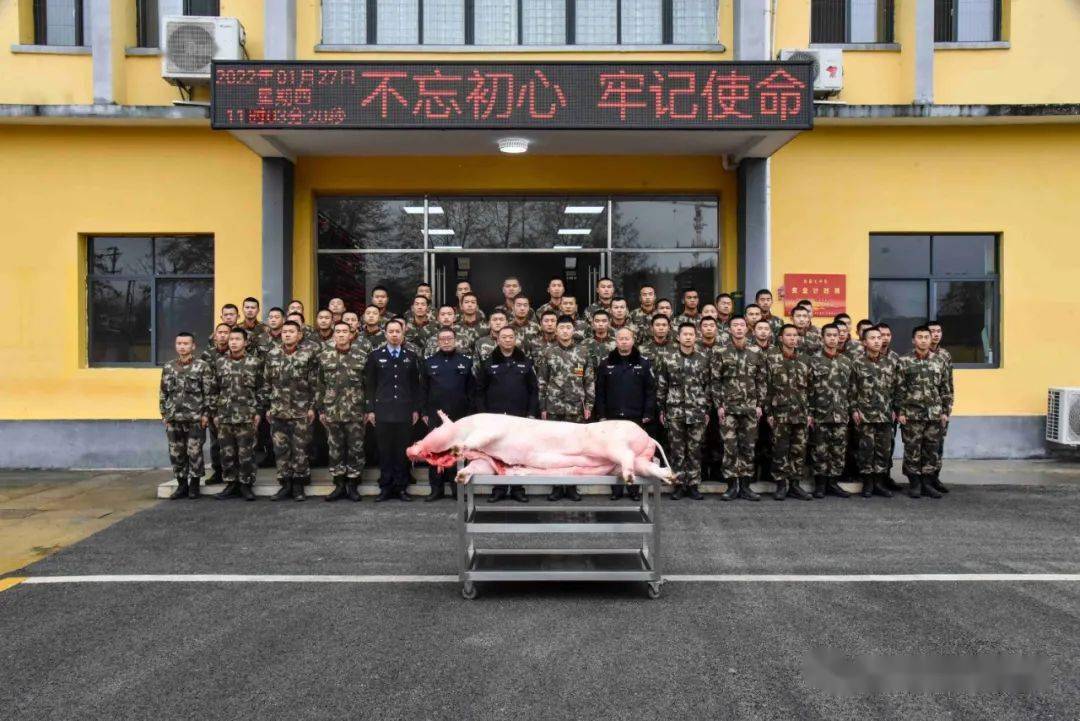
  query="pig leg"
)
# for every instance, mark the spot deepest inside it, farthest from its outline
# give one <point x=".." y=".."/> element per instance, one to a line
<point x="646" y="467"/>
<point x="479" y="465"/>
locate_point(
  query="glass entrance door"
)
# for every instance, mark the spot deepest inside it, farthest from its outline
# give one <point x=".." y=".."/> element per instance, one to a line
<point x="485" y="273"/>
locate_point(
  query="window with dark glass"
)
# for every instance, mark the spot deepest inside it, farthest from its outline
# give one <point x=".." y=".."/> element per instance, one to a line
<point x="851" y="21"/>
<point x="61" y="22"/>
<point x="519" y="22"/>
<point x="951" y="278"/>
<point x="967" y="21"/>
<point x="142" y="291"/>
<point x="202" y="7"/>
<point x="148" y="18"/>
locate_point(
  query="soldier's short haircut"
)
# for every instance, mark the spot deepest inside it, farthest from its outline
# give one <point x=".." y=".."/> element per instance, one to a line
<point x="370" y="305"/>
<point x="350" y="312"/>
<point x="292" y="323"/>
<point x="496" y="312"/>
<point x="238" y="331"/>
<point x="446" y="305"/>
<point x="785" y="326"/>
<point x="751" y="305"/>
<point x="933" y="323"/>
<point x="663" y="300"/>
<point x="446" y="329"/>
<point x="831" y="326"/>
<point x="185" y="334"/>
<point x="646" y="285"/>
<point x="221" y="324"/>
<point x="763" y="291"/>
<point x="563" y="319"/>
<point x="867" y="329"/>
<point x="688" y="290"/>
<point x="738" y="317"/>
<point x="298" y="314"/>
<point x="864" y="321"/>
<point x="396" y="321"/>
<point x="799" y="309"/>
<point x="470" y="294"/>
<point x="882" y="325"/>
<point x="276" y="309"/>
<point x="377" y="288"/>
<point x="659" y="316"/>
<point x="709" y="319"/>
<point x="616" y="298"/>
<point x="724" y="295"/>
<point x="804" y="303"/>
<point x="554" y="278"/>
<point x="423" y="298"/>
<point x="759" y="323"/>
<point x="687" y="324"/>
<point x="838" y="316"/>
<point x="423" y="284"/>
<point x="341" y="322"/>
<point x="920" y="329"/>
<point x="550" y="312"/>
<point x="251" y="299"/>
<point x="521" y="296"/>
<point x="838" y="323"/>
<point x="602" y="312"/>
<point x="229" y="305"/>
<point x="601" y="280"/>
<point x="323" y="310"/>
<point x="298" y="302"/>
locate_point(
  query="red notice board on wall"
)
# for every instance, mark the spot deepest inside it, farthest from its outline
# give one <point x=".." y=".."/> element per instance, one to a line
<point x="827" y="291"/>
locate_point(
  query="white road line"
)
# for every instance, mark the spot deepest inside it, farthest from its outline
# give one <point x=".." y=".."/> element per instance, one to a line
<point x="675" y="578"/>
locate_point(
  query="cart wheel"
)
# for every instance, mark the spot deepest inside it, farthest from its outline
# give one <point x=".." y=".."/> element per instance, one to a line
<point x="468" y="591"/>
<point x="654" y="590"/>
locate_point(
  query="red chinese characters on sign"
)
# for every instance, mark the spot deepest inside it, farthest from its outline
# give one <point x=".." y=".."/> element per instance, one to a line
<point x="827" y="291"/>
<point x="622" y="91"/>
<point x="781" y="95"/>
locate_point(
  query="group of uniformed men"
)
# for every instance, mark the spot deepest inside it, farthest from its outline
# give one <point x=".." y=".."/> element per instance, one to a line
<point x="732" y="398"/>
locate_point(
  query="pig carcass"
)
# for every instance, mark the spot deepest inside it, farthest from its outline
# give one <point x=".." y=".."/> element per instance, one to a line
<point x="508" y="445"/>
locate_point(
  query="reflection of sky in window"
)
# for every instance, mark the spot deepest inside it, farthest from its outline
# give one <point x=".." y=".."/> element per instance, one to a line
<point x="666" y="224"/>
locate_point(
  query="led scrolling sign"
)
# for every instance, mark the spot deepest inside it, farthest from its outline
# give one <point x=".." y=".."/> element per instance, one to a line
<point x="463" y="95"/>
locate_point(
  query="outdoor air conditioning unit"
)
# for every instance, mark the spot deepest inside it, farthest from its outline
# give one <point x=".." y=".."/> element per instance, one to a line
<point x="828" y="70"/>
<point x="1063" y="416"/>
<point x="191" y="42"/>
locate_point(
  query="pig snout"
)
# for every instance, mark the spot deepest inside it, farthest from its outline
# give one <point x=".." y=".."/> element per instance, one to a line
<point x="415" y="452"/>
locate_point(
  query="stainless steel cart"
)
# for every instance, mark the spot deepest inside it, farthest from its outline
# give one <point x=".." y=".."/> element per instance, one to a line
<point x="640" y="522"/>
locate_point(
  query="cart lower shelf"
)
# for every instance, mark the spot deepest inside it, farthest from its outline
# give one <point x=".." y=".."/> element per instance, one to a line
<point x="614" y="564"/>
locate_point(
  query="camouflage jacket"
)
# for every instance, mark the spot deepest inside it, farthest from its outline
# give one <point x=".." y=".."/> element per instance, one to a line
<point x="787" y="399"/>
<point x="684" y="318"/>
<point x="211" y="354"/>
<point x="738" y="378"/>
<point x="593" y="307"/>
<point x="525" y="333"/>
<point x="872" y="383"/>
<point x="339" y="390"/>
<point x="370" y="341"/>
<point x="775" y="323"/>
<point x="655" y="352"/>
<point x="567" y="382"/>
<point x="290" y="381"/>
<point x="718" y="343"/>
<point x="480" y="315"/>
<point x="629" y="324"/>
<point x="684" y="385"/>
<point x="922" y="387"/>
<point x="545" y="308"/>
<point x="467" y="335"/>
<point x="509" y="310"/>
<point x="186" y="391"/>
<point x="946" y="357"/>
<point x="597" y="350"/>
<point x="483" y="349"/>
<point x="255" y="331"/>
<point x="641" y="319"/>
<point x="462" y="343"/>
<point x="830" y="381"/>
<point x="810" y="343"/>
<point x="416" y="337"/>
<point x="238" y="388"/>
<point x="266" y="342"/>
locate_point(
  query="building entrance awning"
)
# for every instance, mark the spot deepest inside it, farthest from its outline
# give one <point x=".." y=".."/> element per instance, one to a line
<point x="292" y="109"/>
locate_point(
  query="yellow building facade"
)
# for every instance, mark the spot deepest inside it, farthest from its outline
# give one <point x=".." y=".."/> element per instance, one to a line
<point x="929" y="144"/>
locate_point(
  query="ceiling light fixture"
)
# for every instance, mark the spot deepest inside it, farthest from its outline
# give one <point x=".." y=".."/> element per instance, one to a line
<point x="440" y="231"/>
<point x="584" y="209"/>
<point x="513" y="146"/>
<point x="574" y="231"/>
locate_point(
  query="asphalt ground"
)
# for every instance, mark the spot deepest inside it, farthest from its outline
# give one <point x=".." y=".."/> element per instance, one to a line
<point x="954" y="649"/>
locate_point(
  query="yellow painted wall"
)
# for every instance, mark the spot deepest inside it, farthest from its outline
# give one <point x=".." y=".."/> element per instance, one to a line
<point x="502" y="174"/>
<point x="61" y="183"/>
<point x="834" y="186"/>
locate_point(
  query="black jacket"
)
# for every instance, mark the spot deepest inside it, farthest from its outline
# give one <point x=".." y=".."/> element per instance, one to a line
<point x="447" y="384"/>
<point x="392" y="386"/>
<point x="625" y="388"/>
<point x="508" y="385"/>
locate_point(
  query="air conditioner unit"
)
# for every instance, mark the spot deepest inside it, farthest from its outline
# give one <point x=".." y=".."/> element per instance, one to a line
<point x="191" y="42"/>
<point x="1063" y="416"/>
<point x="828" y="70"/>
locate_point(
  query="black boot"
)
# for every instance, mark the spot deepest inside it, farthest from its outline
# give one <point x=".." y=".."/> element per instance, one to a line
<point x="879" y="485"/>
<point x="231" y="490"/>
<point x="285" y="491"/>
<point x="886" y="481"/>
<point x="732" y="491"/>
<point x="556" y="493"/>
<point x="247" y="491"/>
<point x="781" y="490"/>
<point x="928" y="487"/>
<point x="572" y="493"/>
<point x="518" y="494"/>
<point x="819" y="486"/>
<point x="437" y="492"/>
<point x="934" y="482"/>
<point x="797" y="492"/>
<point x="385" y="494"/>
<point x="694" y="492"/>
<point x="678" y="492"/>
<point x="352" y="488"/>
<point x="180" y="492"/>
<point x="832" y="485"/>
<point x="868" y="485"/>
<point x="193" y="488"/>
<point x="453" y="490"/>
<point x="214" y="478"/>
<point x="616" y="493"/>
<point x="914" y="486"/>
<point x="745" y="492"/>
<point x="339" y="491"/>
<point x="298" y="489"/>
<point x="635" y="492"/>
<point x="498" y="493"/>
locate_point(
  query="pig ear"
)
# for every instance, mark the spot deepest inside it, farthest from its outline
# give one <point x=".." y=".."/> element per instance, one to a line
<point x="444" y="418"/>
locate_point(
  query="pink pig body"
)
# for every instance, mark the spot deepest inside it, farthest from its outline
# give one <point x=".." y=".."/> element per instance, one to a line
<point x="509" y="445"/>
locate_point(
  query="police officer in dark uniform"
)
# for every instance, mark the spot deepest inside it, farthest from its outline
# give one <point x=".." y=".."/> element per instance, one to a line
<point x="506" y="383"/>
<point x="446" y="382"/>
<point x="392" y="395"/>
<point x="625" y="390"/>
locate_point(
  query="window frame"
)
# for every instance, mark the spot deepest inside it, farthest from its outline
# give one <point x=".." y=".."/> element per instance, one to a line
<point x="932" y="278"/>
<point x="951" y="7"/>
<point x="151" y="279"/>
<point x="886" y="15"/>
<point x="41" y="25"/>
<point x="469" y="11"/>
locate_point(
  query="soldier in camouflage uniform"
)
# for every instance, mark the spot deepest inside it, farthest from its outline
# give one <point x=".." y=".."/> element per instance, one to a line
<point x="581" y="326"/>
<point x="525" y="329"/>
<point x="275" y="317"/>
<point x="809" y="335"/>
<point x="684" y="397"/>
<point x="251" y="324"/>
<point x="184" y="401"/>
<point x="230" y="315"/>
<point x="641" y="316"/>
<point x="444" y="318"/>
<point x="547" y="337"/>
<point x="324" y="328"/>
<point x="468" y="313"/>
<point x="787" y="404"/>
<point x="556" y="289"/>
<point x="691" y="313"/>
<point x="567" y="386"/>
<point x="238" y="406"/>
<point x="764" y="300"/>
<point x="873" y="380"/>
<point x="290" y="377"/>
<point x="339" y="401"/>
<point x="371" y="332"/>
<point x="485" y="345"/>
<point x="892" y="358"/>
<point x="712" y="461"/>
<point x="738" y="382"/>
<point x="219" y="346"/>
<point x="936" y="334"/>
<point x="419" y="329"/>
<point x="605" y="291"/>
<point x="470" y="323"/>
<point x="830" y="381"/>
<point x="765" y="341"/>
<point x="659" y="343"/>
<point x="601" y="341"/>
<point x="923" y="401"/>
<point x="620" y="316"/>
<point x="380" y="298"/>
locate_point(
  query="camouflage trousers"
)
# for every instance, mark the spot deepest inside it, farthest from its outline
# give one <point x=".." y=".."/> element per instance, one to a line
<point x="345" y="441"/>
<point x="875" y="442"/>
<point x="291" y="437"/>
<point x="740" y="434"/>
<point x="575" y="417"/>
<point x="237" y="451"/>
<point x="922" y="446"/>
<point x="685" y="438"/>
<point x="828" y="448"/>
<point x="789" y="451"/>
<point x="186" y="439"/>
<point x="763" y="451"/>
<point x="213" y="435"/>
